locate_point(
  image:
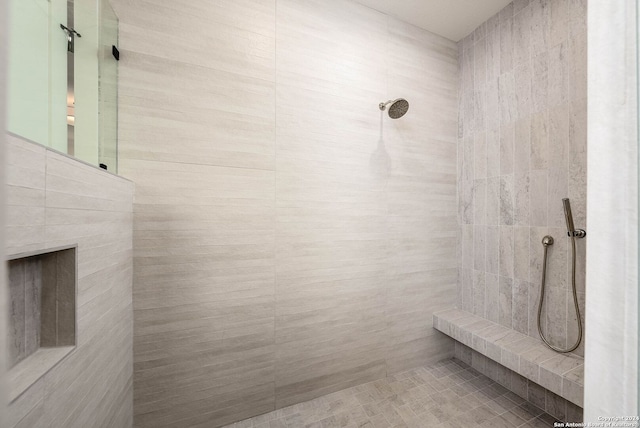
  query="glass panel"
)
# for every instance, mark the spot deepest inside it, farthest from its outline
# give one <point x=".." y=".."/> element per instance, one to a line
<point x="38" y="72"/>
<point x="108" y="86"/>
<point x="85" y="81"/>
<point x="64" y="94"/>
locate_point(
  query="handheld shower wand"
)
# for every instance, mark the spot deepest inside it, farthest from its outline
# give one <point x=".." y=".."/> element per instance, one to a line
<point x="568" y="217"/>
<point x="546" y="242"/>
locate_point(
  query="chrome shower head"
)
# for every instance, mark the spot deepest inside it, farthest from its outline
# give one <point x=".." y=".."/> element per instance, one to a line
<point x="398" y="108"/>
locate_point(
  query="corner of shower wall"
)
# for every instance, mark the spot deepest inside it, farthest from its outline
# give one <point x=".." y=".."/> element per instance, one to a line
<point x="521" y="149"/>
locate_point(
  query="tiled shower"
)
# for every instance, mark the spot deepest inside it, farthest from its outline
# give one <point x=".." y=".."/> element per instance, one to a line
<point x="522" y="149"/>
<point x="275" y="247"/>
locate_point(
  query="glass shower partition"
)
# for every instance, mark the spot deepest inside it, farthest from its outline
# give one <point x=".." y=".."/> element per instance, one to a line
<point x="37" y="74"/>
<point x="63" y="74"/>
<point x="108" y="88"/>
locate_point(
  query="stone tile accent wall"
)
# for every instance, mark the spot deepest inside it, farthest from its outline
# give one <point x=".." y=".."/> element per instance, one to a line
<point x="522" y="148"/>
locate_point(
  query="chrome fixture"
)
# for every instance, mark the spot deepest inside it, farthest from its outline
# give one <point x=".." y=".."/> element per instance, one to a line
<point x="568" y="217"/>
<point x="71" y="35"/>
<point x="546" y="242"/>
<point x="397" y="109"/>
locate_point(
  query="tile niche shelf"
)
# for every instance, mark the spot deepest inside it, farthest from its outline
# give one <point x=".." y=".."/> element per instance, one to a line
<point x="42" y="309"/>
<point x="562" y="374"/>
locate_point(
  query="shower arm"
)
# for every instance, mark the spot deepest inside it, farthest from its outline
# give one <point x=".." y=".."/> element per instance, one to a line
<point x="383" y="106"/>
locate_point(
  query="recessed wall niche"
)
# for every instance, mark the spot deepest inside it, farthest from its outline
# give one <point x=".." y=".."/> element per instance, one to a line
<point x="42" y="313"/>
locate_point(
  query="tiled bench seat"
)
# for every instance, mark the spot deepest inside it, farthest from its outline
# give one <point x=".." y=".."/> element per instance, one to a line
<point x="562" y="374"/>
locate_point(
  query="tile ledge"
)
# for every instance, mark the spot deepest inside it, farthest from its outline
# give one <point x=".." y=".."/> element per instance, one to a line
<point x="519" y="352"/>
<point x="27" y="372"/>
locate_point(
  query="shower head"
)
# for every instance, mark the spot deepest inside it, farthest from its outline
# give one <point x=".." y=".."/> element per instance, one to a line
<point x="568" y="218"/>
<point x="397" y="109"/>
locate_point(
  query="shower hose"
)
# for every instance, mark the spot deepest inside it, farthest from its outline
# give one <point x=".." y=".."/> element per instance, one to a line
<point x="546" y="242"/>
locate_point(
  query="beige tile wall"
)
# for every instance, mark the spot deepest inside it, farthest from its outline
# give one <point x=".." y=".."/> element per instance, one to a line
<point x="284" y="248"/>
<point x="53" y="200"/>
<point x="522" y="139"/>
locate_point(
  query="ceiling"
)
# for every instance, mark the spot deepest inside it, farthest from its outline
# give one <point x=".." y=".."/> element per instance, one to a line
<point x="453" y="19"/>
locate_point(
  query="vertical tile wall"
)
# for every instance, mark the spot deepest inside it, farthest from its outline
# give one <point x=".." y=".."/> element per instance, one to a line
<point x="522" y="148"/>
<point x="52" y="201"/>
<point x="286" y="245"/>
<point x="25" y="289"/>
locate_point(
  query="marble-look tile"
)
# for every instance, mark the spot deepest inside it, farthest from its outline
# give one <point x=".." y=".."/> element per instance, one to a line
<point x="536" y="395"/>
<point x="574" y="412"/>
<point x="467" y="66"/>
<point x="539" y="82"/>
<point x="507" y="94"/>
<point x="536" y="252"/>
<point x="467" y="246"/>
<point x="479" y="242"/>
<point x="521" y="260"/>
<point x="522" y="81"/>
<point x="467" y="181"/>
<point x="539" y="198"/>
<point x="540" y="26"/>
<point x="558" y="260"/>
<point x="33" y="292"/>
<point x="539" y="140"/>
<point x="577" y="16"/>
<point x="521" y="37"/>
<point x="572" y="323"/>
<point x="558" y="89"/>
<point x="520" y="306"/>
<point x="521" y="209"/>
<point x="506" y="200"/>
<point x="505" y="316"/>
<point x="508" y="141"/>
<point x="522" y="148"/>
<point x="577" y="66"/>
<point x="556" y="406"/>
<point x="493" y="201"/>
<point x="534" y="301"/>
<point x="519" y="5"/>
<point x="493" y="253"/>
<point x="555" y="316"/>
<point x="480" y="155"/>
<point x="493" y="299"/>
<point x="506" y="251"/>
<point x="493" y="24"/>
<point x="492" y="110"/>
<point x="506" y="39"/>
<point x="480" y="60"/>
<point x="16" y="326"/>
<point x="480" y="201"/>
<point x="577" y="181"/>
<point x="493" y="48"/>
<point x="479" y="291"/>
<point x="519" y="385"/>
<point x="467" y="290"/>
<point x="559" y="22"/>
<point x="493" y="152"/>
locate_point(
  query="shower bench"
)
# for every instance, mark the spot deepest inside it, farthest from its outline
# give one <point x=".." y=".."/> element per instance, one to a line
<point x="562" y="374"/>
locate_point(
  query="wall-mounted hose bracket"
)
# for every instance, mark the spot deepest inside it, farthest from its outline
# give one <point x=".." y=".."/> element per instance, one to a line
<point x="578" y="233"/>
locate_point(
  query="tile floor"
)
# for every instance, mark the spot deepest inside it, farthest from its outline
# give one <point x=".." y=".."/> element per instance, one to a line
<point x="448" y="394"/>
